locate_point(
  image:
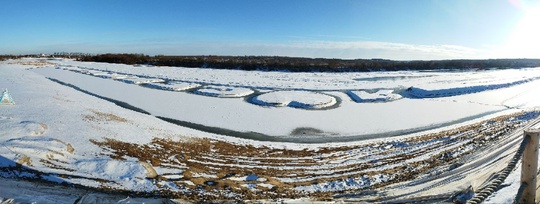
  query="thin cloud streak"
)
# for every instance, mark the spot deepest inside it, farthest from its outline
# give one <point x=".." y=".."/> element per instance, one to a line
<point x="442" y="50"/>
<point x="306" y="48"/>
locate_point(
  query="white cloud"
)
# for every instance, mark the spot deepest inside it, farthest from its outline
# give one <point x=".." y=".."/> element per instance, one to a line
<point x="331" y="49"/>
<point x="391" y="50"/>
<point x="314" y="49"/>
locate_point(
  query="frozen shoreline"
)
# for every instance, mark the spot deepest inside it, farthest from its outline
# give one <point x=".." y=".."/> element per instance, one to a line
<point x="314" y="136"/>
<point x="349" y="119"/>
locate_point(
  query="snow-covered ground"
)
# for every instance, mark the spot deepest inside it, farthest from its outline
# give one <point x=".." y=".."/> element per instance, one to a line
<point x="53" y="123"/>
<point x="61" y="115"/>
<point x="379" y="96"/>
<point x="298" y="99"/>
<point x="224" y="91"/>
<point x="462" y="94"/>
<point x="175" y="86"/>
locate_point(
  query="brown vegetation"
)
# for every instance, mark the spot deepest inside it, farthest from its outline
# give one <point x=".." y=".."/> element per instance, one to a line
<point x="298" y="64"/>
<point x="103" y="117"/>
<point x="210" y="165"/>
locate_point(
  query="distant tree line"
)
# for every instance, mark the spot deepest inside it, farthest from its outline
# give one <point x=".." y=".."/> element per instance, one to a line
<point x="75" y="55"/>
<point x="297" y="64"/>
<point x="6" y="57"/>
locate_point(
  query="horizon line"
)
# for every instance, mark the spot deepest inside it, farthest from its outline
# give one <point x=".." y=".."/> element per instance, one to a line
<point x="40" y="55"/>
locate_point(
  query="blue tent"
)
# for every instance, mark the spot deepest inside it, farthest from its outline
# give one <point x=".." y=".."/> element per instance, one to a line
<point x="6" y="99"/>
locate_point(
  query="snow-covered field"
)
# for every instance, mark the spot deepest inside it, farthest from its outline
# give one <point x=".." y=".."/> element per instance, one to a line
<point x="365" y="106"/>
<point x="245" y="131"/>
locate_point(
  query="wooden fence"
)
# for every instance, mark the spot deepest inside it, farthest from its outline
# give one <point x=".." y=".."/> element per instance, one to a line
<point x="529" y="169"/>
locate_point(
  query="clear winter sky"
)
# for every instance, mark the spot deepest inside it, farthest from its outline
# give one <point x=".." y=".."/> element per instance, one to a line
<point x="391" y="29"/>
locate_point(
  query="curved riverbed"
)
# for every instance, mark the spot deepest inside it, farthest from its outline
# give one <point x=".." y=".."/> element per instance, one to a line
<point x="298" y="135"/>
<point x="345" y="119"/>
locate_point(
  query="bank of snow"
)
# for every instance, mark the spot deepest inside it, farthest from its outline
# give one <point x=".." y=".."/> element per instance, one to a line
<point x="379" y="96"/>
<point x="140" y="81"/>
<point x="296" y="99"/>
<point x="454" y="91"/>
<point x="173" y="86"/>
<point x="223" y="91"/>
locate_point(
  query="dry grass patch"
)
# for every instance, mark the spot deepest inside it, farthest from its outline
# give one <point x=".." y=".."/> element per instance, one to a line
<point x="70" y="148"/>
<point x="104" y="117"/>
<point x="221" y="161"/>
<point x="24" y="160"/>
<point x="39" y="63"/>
<point x="220" y="166"/>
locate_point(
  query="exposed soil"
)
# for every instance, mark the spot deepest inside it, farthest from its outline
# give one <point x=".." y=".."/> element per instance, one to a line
<point x="212" y="169"/>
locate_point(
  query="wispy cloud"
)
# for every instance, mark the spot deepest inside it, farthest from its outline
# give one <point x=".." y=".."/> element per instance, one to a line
<point x="361" y="49"/>
<point x="296" y="48"/>
<point x="391" y="50"/>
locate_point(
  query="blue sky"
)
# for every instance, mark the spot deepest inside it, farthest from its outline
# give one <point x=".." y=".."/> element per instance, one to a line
<point x="392" y="29"/>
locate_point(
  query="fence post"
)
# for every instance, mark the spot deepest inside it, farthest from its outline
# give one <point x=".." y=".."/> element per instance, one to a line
<point x="529" y="166"/>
